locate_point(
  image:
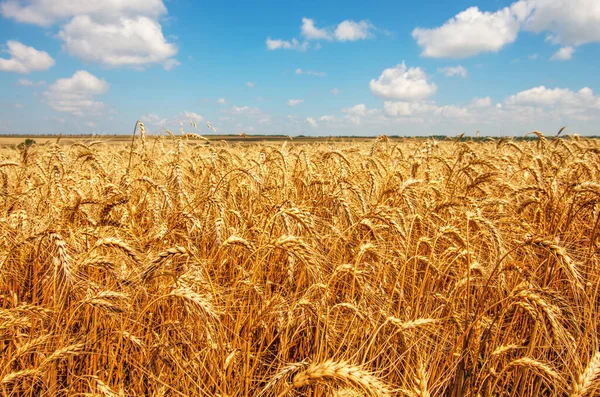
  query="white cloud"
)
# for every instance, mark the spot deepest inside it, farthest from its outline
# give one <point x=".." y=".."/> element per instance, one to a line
<point x="558" y="104"/>
<point x="563" y="54"/>
<point x="278" y="44"/>
<point x="334" y="91"/>
<point x="481" y="102"/>
<point x="244" y="110"/>
<point x="527" y="109"/>
<point x="536" y="108"/>
<point x="30" y="83"/>
<point x="311" y="32"/>
<point x="356" y="110"/>
<point x="533" y="57"/>
<point x="452" y="112"/>
<point x="221" y="101"/>
<point x="250" y="84"/>
<point x="153" y="120"/>
<point x="556" y="97"/>
<point x="24" y="59"/>
<point x="327" y="118"/>
<point x="310" y="73"/>
<point x="468" y="33"/>
<point x="294" y="102"/>
<point x="76" y="94"/>
<point x="132" y="42"/>
<point x="192" y="116"/>
<point x="427" y="110"/>
<point x="345" y="31"/>
<point x="311" y="121"/>
<point x="355" y="114"/>
<point x="407" y="108"/>
<point x="402" y="83"/>
<point x="48" y="12"/>
<point x="352" y="31"/>
<point x="454" y="71"/>
<point x="112" y="33"/>
<point x="568" y="22"/>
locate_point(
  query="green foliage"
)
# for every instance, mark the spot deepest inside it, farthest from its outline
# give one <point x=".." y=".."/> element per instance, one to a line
<point x="27" y="143"/>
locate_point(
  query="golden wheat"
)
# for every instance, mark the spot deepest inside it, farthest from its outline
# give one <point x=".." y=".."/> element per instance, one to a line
<point x="393" y="266"/>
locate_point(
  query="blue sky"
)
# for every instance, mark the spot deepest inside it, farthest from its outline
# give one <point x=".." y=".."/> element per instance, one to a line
<point x="310" y="67"/>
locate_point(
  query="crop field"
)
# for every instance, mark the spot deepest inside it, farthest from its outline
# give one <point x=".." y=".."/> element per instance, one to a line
<point x="382" y="267"/>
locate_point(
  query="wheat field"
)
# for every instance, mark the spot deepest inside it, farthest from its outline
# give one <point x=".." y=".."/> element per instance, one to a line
<point x="404" y="267"/>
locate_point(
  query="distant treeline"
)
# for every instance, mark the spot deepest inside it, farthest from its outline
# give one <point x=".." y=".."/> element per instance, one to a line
<point x="528" y="137"/>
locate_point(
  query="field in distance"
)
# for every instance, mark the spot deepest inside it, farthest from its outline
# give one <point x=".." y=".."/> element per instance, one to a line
<point x="115" y="139"/>
<point x="368" y="267"/>
<point x="7" y="140"/>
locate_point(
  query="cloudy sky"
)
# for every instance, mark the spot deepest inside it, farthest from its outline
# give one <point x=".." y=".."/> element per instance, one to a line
<point x="304" y="67"/>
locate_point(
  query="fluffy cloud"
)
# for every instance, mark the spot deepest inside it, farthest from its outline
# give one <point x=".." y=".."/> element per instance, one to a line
<point x="250" y="84"/>
<point x="245" y="111"/>
<point x="352" y="31"/>
<point x="48" y="12"/>
<point x="533" y="107"/>
<point x="154" y="120"/>
<point x="407" y="108"/>
<point x="569" y="23"/>
<point x="356" y="110"/>
<point x="481" y="102"/>
<point x="468" y="33"/>
<point x="327" y="118"/>
<point x="294" y="102"/>
<point x="563" y="54"/>
<point x="356" y="113"/>
<point x="192" y="116"/>
<point x="311" y="121"/>
<point x="113" y="33"/>
<point x="556" y="97"/>
<point x="451" y="71"/>
<point x="538" y="107"/>
<point x="345" y="31"/>
<point x="311" y="32"/>
<point x="76" y="94"/>
<point x="559" y="104"/>
<point x="126" y="42"/>
<point x="293" y="44"/>
<point x="24" y="59"/>
<point x="335" y="91"/>
<point x="310" y="73"/>
<point x="402" y="83"/>
<point x="432" y="112"/>
<point x="245" y="118"/>
<point x="221" y="101"/>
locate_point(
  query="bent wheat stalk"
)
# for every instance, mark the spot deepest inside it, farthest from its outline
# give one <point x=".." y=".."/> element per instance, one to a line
<point x="341" y="372"/>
